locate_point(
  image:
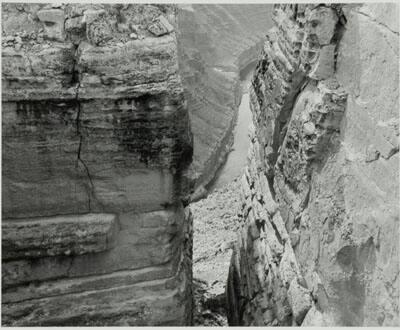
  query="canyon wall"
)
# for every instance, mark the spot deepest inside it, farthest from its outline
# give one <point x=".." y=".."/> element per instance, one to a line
<point x="319" y="237"/>
<point x="96" y="143"/>
<point x="215" y="43"/>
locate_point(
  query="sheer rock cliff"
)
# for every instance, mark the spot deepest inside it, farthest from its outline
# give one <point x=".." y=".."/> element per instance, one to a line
<point x="319" y="236"/>
<point x="96" y="143"/>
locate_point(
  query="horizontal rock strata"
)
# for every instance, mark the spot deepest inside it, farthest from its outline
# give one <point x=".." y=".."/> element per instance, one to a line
<point x="96" y="143"/>
<point x="318" y="244"/>
<point x="40" y="237"/>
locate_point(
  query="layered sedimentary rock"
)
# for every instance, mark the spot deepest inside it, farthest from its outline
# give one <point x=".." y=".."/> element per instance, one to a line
<point x="215" y="43"/>
<point x="319" y="237"/>
<point x="96" y="142"/>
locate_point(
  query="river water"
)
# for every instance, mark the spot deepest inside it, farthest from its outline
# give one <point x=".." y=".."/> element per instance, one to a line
<point x="237" y="158"/>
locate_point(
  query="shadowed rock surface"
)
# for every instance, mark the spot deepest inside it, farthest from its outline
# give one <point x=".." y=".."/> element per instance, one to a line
<point x="96" y="142"/>
<point x="318" y="243"/>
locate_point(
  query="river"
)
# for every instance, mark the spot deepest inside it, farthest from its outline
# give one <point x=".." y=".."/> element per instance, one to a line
<point x="237" y="158"/>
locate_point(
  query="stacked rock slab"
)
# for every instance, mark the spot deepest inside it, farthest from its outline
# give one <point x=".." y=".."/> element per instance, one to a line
<point x="319" y="238"/>
<point x="96" y="141"/>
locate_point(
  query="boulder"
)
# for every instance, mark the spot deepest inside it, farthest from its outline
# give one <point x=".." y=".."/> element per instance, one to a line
<point x="160" y="26"/>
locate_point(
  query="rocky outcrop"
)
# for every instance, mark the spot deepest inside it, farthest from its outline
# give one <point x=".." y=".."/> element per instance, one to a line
<point x="318" y="243"/>
<point x="96" y="143"/>
<point x="216" y="42"/>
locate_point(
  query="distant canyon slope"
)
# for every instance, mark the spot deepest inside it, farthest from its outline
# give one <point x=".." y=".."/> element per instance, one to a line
<point x="215" y="43"/>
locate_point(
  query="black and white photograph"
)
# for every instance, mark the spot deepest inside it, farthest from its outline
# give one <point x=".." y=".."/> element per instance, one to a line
<point x="200" y="164"/>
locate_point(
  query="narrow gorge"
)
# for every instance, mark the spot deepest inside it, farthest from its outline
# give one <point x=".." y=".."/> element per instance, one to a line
<point x="200" y="164"/>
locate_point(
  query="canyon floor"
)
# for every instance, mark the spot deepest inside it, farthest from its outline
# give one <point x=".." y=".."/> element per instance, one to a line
<point x="215" y="229"/>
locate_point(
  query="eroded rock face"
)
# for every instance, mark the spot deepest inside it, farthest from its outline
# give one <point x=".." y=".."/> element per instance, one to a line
<point x="318" y="243"/>
<point x="96" y="143"/>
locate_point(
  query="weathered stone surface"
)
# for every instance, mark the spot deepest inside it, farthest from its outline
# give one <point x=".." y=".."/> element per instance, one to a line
<point x="94" y="123"/>
<point x="63" y="235"/>
<point x="325" y="152"/>
<point x="324" y="67"/>
<point x="300" y="301"/>
<point x="53" y="20"/>
<point x="321" y="22"/>
<point x="160" y="26"/>
<point x="315" y="318"/>
<point x="124" y="83"/>
<point x="150" y="302"/>
<point x="161" y="294"/>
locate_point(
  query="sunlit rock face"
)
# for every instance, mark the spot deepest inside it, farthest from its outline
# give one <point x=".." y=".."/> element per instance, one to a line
<point x="215" y="43"/>
<point x="319" y="243"/>
<point x="96" y="143"/>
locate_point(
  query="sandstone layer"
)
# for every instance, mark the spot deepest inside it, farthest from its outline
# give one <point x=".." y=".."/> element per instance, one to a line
<point x="319" y="237"/>
<point x="96" y="143"/>
<point x="216" y="42"/>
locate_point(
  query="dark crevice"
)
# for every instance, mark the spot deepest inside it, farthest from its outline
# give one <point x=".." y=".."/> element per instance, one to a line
<point x="278" y="236"/>
<point x="339" y="31"/>
<point x="281" y="122"/>
<point x="392" y="152"/>
<point x="286" y="114"/>
<point x="270" y="180"/>
<point x="75" y="80"/>
<point x="295" y="12"/>
<point x="79" y="159"/>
